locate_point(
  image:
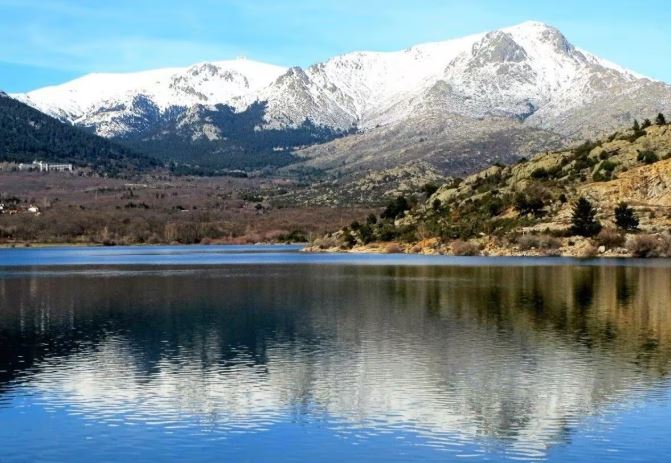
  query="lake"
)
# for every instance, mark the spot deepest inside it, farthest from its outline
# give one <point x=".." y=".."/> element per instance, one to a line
<point x="266" y="354"/>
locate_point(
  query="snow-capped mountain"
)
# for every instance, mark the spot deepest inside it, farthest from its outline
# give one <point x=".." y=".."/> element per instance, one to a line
<point x="107" y="102"/>
<point x="529" y="76"/>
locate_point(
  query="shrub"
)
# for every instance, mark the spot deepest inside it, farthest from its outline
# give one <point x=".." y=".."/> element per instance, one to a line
<point x="529" y="204"/>
<point x="661" y="120"/>
<point x="540" y="174"/>
<point x="540" y="242"/>
<point x="610" y="238"/>
<point x="648" y="157"/>
<point x="643" y="246"/>
<point x="429" y="189"/>
<point x="589" y="251"/>
<point x="366" y="234"/>
<point x="464" y="248"/>
<point x="393" y="248"/>
<point x="665" y="245"/>
<point x="326" y="242"/>
<point x="348" y="240"/>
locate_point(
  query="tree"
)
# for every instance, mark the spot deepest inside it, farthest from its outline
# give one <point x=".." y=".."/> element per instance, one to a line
<point x="396" y="208"/>
<point x="584" y="219"/>
<point x="625" y="218"/>
<point x="348" y="239"/>
<point x="636" y="127"/>
<point x="429" y="189"/>
<point x="529" y="204"/>
<point x="646" y="123"/>
<point x="661" y="120"/>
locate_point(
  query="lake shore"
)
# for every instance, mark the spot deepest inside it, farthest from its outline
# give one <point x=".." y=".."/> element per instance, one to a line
<point x="576" y="247"/>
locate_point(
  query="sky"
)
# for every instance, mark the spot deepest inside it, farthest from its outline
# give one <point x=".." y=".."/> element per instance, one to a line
<point x="46" y="42"/>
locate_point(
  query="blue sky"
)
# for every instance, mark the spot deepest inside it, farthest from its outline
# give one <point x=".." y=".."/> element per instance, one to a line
<point x="50" y="41"/>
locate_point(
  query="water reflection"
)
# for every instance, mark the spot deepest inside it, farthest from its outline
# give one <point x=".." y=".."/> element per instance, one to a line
<point x="512" y="358"/>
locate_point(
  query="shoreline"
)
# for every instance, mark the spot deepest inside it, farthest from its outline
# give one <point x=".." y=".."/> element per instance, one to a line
<point x="569" y="247"/>
<point x="132" y="245"/>
<point x="578" y="248"/>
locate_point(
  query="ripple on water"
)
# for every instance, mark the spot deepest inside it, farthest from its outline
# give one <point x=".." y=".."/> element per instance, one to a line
<point x="374" y="364"/>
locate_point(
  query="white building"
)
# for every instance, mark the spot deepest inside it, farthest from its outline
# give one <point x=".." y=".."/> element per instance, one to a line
<point x="46" y="167"/>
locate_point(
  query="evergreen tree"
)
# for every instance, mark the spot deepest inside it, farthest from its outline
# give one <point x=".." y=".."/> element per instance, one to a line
<point x="529" y="204"/>
<point x="584" y="219"/>
<point x="636" y="127"/>
<point x="646" y="123"/>
<point x="625" y="218"/>
<point x="396" y="208"/>
<point x="429" y="189"/>
<point x="661" y="120"/>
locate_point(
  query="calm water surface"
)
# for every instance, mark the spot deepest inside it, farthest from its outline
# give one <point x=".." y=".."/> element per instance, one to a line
<point x="264" y="354"/>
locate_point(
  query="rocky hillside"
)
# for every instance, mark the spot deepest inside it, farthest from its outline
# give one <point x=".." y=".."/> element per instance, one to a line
<point x="530" y="207"/>
<point x="628" y="166"/>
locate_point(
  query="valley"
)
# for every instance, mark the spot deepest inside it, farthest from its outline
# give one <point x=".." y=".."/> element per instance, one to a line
<point x="162" y="209"/>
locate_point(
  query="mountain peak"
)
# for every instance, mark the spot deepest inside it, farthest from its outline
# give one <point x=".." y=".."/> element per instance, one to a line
<point x="498" y="47"/>
<point x="540" y="33"/>
<point x="531" y="25"/>
<point x="529" y="69"/>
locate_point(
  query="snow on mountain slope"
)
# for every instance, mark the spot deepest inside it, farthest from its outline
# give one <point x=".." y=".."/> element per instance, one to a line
<point x="97" y="99"/>
<point x="513" y="72"/>
<point x="529" y="72"/>
<point x="356" y="88"/>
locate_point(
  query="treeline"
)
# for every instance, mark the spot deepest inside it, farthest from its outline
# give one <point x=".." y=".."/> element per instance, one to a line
<point x="27" y="134"/>
<point x="240" y="144"/>
<point x="137" y="224"/>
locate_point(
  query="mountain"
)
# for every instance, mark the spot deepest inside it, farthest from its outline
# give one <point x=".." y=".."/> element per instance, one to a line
<point x="508" y="93"/>
<point x="120" y="104"/>
<point x="27" y="134"/>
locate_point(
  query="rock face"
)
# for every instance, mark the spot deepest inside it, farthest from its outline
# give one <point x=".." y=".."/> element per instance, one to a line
<point x="505" y="93"/>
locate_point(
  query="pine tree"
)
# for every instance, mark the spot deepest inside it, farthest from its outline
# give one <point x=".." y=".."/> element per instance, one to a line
<point x="661" y="120"/>
<point x="625" y="218"/>
<point x="637" y="127"/>
<point x="584" y="219"/>
<point x="646" y="123"/>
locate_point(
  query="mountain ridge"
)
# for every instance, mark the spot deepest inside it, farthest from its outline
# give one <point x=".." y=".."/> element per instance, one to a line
<point x="529" y="74"/>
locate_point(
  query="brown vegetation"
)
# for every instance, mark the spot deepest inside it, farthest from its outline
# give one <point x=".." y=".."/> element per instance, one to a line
<point x="650" y="246"/>
<point x="611" y="238"/>
<point x="464" y="248"/>
<point x="94" y="210"/>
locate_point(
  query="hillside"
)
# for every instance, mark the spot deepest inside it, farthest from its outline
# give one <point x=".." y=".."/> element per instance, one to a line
<point x="455" y="105"/>
<point x="529" y="207"/>
<point x="27" y="134"/>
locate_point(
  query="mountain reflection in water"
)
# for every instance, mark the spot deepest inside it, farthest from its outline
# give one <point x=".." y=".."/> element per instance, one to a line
<point x="508" y="360"/>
